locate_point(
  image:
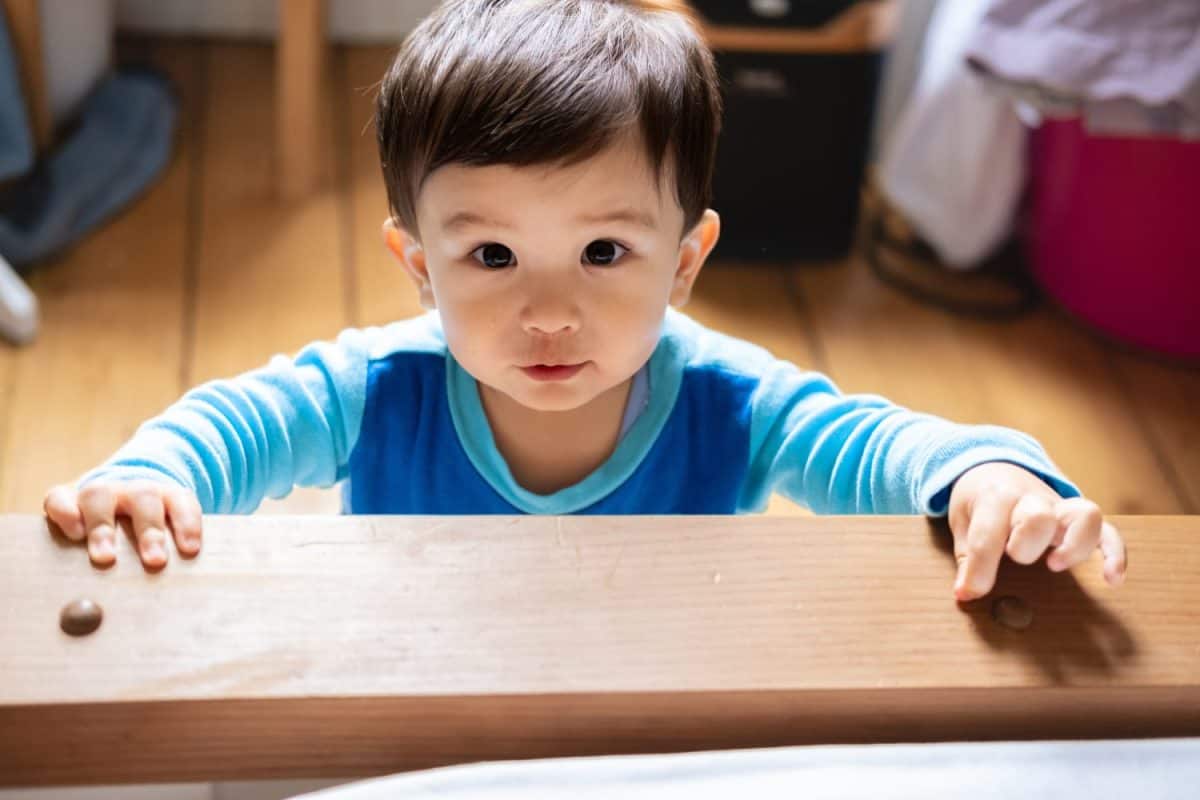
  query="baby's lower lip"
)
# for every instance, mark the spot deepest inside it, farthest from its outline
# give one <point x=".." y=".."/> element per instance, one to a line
<point x="560" y="373"/>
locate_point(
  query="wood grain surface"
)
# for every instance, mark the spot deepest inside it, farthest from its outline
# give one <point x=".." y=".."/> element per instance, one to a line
<point x="344" y="646"/>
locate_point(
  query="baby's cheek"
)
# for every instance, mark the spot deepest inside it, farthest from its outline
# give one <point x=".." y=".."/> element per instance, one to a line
<point x="466" y="345"/>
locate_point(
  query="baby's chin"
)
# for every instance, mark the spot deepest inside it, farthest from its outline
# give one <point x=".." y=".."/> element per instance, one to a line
<point x="552" y="398"/>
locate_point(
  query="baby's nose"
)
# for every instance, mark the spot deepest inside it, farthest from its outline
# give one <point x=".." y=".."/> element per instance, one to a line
<point x="550" y="329"/>
<point x="550" y="315"/>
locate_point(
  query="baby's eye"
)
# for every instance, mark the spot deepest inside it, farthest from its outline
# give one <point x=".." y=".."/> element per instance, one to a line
<point x="494" y="256"/>
<point x="603" y="252"/>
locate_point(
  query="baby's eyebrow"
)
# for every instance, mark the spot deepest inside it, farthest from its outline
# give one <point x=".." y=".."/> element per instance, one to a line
<point x="633" y="216"/>
<point x="465" y="219"/>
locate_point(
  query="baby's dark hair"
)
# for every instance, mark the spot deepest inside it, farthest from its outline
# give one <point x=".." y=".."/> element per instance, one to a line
<point x="522" y="82"/>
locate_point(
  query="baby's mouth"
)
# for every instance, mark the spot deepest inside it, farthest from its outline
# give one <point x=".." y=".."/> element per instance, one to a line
<point x="552" y="372"/>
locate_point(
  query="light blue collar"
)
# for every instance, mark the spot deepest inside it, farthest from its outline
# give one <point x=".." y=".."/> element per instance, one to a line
<point x="475" y="434"/>
<point x="639" y="398"/>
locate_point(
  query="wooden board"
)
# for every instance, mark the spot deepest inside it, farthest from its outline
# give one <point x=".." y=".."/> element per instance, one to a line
<point x="1039" y="375"/>
<point x="108" y="351"/>
<point x="311" y="646"/>
<point x="271" y="273"/>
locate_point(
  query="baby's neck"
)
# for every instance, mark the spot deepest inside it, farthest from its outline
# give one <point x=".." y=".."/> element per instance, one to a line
<point x="547" y="451"/>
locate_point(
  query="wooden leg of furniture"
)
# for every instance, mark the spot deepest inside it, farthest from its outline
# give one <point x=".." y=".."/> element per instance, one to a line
<point x="25" y="28"/>
<point x="300" y="87"/>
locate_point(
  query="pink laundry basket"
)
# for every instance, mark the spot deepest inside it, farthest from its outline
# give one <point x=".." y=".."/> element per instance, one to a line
<point x="1114" y="233"/>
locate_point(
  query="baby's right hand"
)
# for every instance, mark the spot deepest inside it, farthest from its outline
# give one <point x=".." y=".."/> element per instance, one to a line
<point x="91" y="513"/>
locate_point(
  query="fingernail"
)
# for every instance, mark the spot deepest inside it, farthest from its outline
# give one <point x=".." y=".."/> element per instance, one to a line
<point x="153" y="551"/>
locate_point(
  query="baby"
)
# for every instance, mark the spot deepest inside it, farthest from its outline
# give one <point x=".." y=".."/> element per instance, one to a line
<point x="548" y="167"/>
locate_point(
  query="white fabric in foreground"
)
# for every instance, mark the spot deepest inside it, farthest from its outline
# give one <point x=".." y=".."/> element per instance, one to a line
<point x="1145" y="769"/>
<point x="955" y="163"/>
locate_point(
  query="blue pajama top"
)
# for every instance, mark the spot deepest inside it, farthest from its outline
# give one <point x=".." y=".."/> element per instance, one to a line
<point x="714" y="425"/>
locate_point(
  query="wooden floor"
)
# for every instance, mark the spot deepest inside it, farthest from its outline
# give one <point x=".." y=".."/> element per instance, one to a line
<point x="208" y="276"/>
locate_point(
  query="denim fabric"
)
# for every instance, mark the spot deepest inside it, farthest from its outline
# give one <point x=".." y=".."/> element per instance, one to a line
<point x="122" y="143"/>
<point x="16" y="142"/>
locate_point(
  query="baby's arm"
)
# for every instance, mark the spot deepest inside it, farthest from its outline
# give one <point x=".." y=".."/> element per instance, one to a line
<point x="860" y="454"/>
<point x="222" y="448"/>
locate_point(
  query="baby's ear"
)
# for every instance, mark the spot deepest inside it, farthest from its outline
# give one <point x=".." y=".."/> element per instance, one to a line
<point x="693" y="252"/>
<point x="407" y="250"/>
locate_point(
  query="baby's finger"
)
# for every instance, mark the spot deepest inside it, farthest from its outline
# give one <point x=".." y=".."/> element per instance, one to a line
<point x="98" y="505"/>
<point x="1116" y="558"/>
<point x="143" y="503"/>
<point x="1082" y="519"/>
<point x="979" y="556"/>
<point x="183" y="511"/>
<point x="1033" y="527"/>
<point x="62" y="508"/>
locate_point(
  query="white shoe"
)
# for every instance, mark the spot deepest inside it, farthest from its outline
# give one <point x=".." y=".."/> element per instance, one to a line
<point x="18" y="307"/>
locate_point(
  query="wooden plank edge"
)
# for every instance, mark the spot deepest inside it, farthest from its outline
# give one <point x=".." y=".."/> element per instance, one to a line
<point x="365" y="736"/>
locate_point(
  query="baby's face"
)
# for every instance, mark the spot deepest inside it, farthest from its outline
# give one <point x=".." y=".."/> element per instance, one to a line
<point x="536" y="266"/>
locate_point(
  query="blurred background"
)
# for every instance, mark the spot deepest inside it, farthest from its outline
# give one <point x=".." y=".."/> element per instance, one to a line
<point x="987" y="211"/>
<point x="973" y="209"/>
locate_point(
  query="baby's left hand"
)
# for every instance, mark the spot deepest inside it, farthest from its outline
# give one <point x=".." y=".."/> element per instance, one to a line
<point x="999" y="508"/>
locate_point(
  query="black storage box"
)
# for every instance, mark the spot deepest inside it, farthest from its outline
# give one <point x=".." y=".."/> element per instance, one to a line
<point x="799" y="103"/>
<point x="792" y="152"/>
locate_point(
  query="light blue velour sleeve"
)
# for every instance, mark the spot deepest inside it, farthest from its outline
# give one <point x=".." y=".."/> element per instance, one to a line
<point x="860" y="454"/>
<point x="237" y="441"/>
